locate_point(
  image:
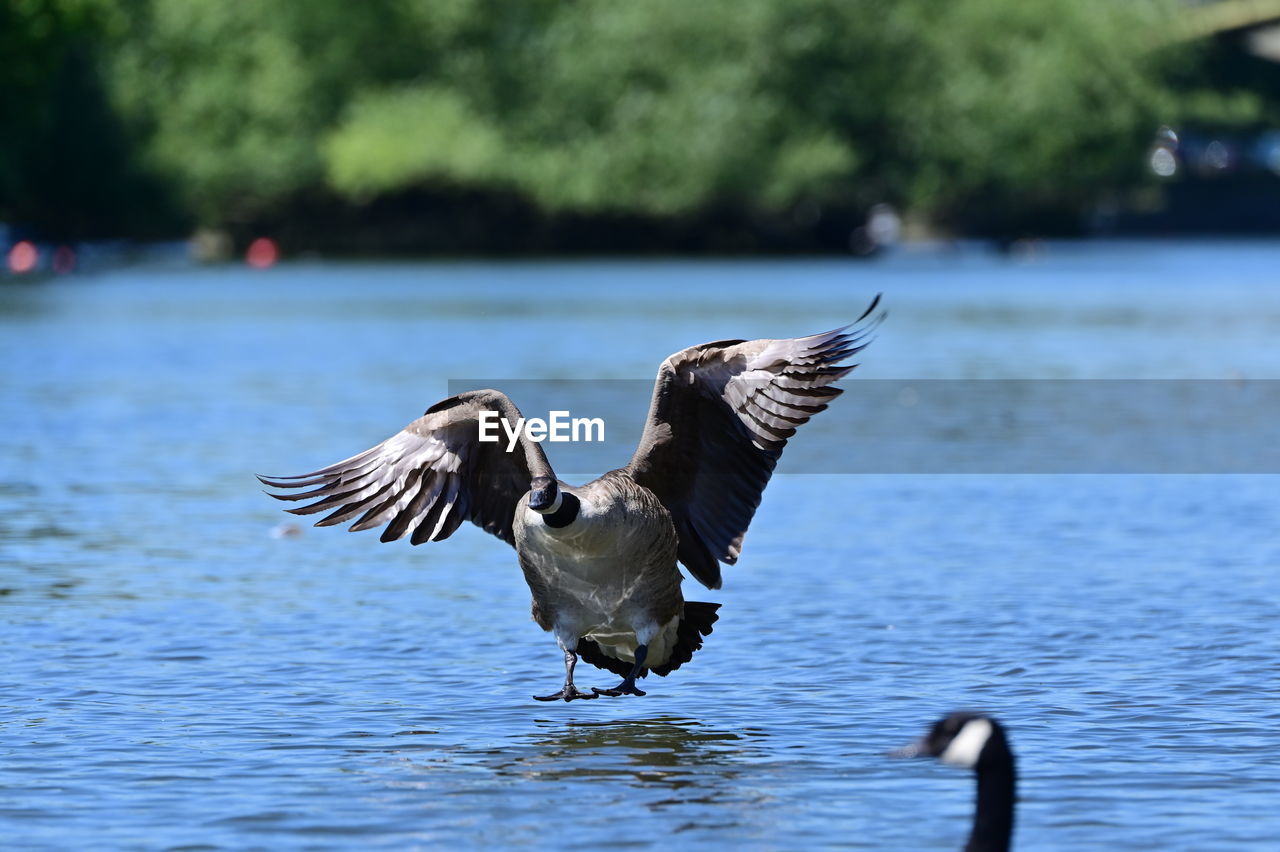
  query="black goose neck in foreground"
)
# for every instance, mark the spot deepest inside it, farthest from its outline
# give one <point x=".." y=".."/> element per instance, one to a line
<point x="565" y="514"/>
<point x="997" y="790"/>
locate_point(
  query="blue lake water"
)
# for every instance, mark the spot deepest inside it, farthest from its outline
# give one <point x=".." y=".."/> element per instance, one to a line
<point x="177" y="675"/>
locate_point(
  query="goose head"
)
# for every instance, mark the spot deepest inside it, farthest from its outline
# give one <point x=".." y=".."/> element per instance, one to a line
<point x="963" y="739"/>
<point x="558" y="507"/>
<point x="544" y="495"/>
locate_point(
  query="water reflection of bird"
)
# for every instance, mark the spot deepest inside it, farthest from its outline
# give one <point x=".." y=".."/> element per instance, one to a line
<point x="663" y="752"/>
<point x="600" y="559"/>
<point x="977" y="742"/>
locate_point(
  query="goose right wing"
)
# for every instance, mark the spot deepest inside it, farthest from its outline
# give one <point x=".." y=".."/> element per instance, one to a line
<point x="425" y="480"/>
<point x="720" y="417"/>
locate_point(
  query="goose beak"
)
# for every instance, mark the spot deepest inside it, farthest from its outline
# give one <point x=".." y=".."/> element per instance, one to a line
<point x="916" y="749"/>
<point x="544" y="495"/>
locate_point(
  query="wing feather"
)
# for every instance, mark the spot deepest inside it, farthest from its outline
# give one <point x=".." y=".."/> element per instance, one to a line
<point x="355" y="505"/>
<point x="720" y="417"/>
<point x="428" y="478"/>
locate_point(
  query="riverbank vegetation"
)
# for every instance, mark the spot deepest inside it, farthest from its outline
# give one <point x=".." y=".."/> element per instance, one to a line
<point x="474" y="123"/>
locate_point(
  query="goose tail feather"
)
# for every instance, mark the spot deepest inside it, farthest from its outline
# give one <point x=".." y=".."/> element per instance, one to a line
<point x="695" y="623"/>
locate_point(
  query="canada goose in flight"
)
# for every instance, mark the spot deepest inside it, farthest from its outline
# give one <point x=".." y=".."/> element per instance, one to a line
<point x="977" y="742"/>
<point x="600" y="559"/>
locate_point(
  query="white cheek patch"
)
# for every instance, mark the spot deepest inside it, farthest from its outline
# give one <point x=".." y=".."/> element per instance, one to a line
<point x="555" y="504"/>
<point x="968" y="744"/>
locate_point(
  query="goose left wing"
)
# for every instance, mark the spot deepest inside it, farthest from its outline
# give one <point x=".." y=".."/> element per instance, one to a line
<point x="428" y="478"/>
<point x="720" y="416"/>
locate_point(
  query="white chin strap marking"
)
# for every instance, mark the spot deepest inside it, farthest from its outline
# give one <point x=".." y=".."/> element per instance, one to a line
<point x="555" y="504"/>
<point x="968" y="744"/>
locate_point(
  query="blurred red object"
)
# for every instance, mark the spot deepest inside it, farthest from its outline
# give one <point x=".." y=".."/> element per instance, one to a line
<point x="23" y="257"/>
<point x="263" y="252"/>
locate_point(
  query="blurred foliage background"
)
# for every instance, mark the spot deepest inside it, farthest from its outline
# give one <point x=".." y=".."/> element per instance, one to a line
<point x="525" y="124"/>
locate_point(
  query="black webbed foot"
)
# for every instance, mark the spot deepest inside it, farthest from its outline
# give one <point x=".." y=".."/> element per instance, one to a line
<point x="627" y="687"/>
<point x="568" y="693"/>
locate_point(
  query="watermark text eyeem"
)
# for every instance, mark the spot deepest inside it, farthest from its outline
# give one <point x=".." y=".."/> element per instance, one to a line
<point x="559" y="427"/>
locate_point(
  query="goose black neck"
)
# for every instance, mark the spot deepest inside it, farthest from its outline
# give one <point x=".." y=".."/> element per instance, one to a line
<point x="997" y="790"/>
<point x="567" y="512"/>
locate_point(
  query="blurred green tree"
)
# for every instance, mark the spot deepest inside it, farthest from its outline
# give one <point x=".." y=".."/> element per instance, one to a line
<point x="233" y="96"/>
<point x="969" y="113"/>
<point x="665" y="107"/>
<point x="68" y="168"/>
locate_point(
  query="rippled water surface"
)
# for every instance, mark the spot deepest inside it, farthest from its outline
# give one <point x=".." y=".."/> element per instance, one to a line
<point x="179" y="672"/>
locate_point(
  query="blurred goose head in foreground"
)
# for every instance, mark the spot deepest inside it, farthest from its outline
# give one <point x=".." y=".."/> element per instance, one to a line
<point x="978" y="742"/>
<point x="601" y="558"/>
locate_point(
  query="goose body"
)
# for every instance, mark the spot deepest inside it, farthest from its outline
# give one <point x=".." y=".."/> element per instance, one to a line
<point x="602" y="559"/>
<point x="609" y="577"/>
<point x="978" y="742"/>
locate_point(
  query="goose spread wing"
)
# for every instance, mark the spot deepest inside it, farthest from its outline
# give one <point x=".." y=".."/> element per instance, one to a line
<point x="427" y="479"/>
<point x="720" y="416"/>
